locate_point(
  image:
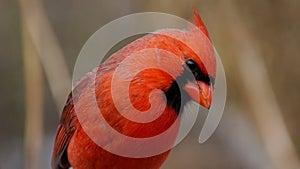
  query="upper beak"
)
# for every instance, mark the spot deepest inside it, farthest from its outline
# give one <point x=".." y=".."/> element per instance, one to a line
<point x="200" y="92"/>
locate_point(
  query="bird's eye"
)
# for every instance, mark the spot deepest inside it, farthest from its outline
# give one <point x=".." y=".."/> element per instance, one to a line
<point x="197" y="72"/>
<point x="191" y="64"/>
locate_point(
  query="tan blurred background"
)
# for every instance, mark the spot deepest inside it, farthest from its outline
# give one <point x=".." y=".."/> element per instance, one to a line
<point x="258" y="42"/>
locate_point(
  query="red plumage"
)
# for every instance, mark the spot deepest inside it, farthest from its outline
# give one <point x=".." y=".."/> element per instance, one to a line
<point x="73" y="147"/>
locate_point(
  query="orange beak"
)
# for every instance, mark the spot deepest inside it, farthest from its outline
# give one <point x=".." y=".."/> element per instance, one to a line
<point x="200" y="92"/>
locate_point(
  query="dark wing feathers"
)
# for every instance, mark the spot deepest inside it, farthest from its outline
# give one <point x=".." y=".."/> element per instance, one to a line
<point x="65" y="131"/>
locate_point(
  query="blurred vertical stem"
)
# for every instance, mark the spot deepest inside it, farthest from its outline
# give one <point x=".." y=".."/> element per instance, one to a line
<point x="260" y="96"/>
<point x="40" y="50"/>
<point x="34" y="103"/>
<point x="47" y="46"/>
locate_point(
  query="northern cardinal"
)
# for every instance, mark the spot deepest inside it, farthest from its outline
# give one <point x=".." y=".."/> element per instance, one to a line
<point x="193" y="51"/>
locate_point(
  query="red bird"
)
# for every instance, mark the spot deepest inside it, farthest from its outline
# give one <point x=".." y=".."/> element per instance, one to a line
<point x="194" y="53"/>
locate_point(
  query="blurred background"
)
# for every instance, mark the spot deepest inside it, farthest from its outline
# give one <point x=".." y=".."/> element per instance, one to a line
<point x="258" y="42"/>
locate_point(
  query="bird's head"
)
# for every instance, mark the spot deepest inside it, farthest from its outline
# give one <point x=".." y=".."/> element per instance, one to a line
<point x="188" y="55"/>
<point x="198" y="59"/>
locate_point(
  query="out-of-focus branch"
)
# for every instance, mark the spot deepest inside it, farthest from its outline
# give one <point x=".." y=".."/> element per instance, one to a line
<point x="40" y="49"/>
<point x="47" y="46"/>
<point x="34" y="103"/>
<point x="260" y="96"/>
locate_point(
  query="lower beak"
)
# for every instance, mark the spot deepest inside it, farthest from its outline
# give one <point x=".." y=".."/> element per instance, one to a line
<point x="200" y="92"/>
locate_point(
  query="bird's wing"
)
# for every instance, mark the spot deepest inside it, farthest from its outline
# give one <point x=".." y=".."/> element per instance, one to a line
<point x="65" y="131"/>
